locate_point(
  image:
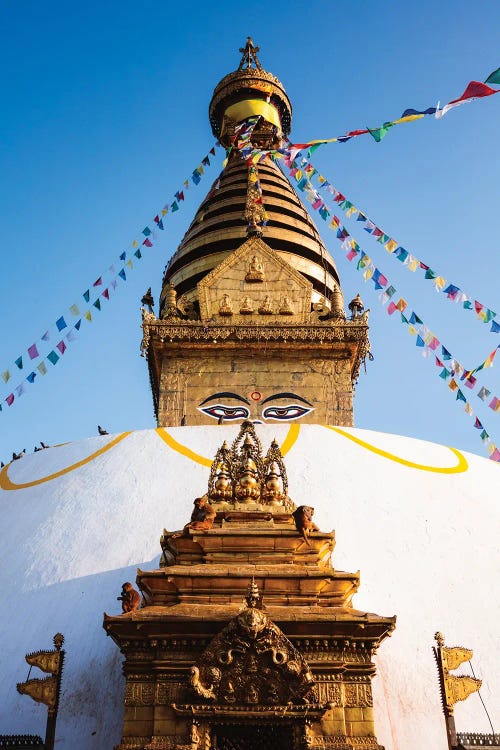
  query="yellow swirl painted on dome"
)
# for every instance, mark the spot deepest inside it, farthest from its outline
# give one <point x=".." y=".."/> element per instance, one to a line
<point x="460" y="467"/>
<point x="7" y="484"/>
<point x="286" y="446"/>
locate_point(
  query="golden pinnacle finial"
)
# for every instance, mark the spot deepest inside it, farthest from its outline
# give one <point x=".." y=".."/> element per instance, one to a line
<point x="58" y="641"/>
<point x="253" y="597"/>
<point x="249" y="55"/>
<point x="439" y="638"/>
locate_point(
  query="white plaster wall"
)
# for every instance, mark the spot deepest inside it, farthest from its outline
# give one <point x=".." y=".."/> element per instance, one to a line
<point x="426" y="544"/>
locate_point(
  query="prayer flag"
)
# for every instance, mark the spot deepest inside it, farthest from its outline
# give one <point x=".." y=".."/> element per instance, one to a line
<point x="71" y="336"/>
<point x="98" y="281"/>
<point x="390" y="291"/>
<point x="484" y="437"/>
<point x="468" y="409"/>
<point x="391" y="308"/>
<point x="6" y="376"/>
<point x="408" y="112"/>
<point x="19" y="363"/>
<point x="105" y="294"/>
<point x="445" y="353"/>
<point x="129" y="263"/>
<point x="470" y="382"/>
<point x="46" y="336"/>
<point x="10" y="399"/>
<point x="444" y="374"/>
<point x="477" y="424"/>
<point x="31" y="377"/>
<point x="179" y="195"/>
<point x="460" y="396"/>
<point x="419" y="341"/>
<point x="212" y="150"/>
<point x="61" y="323"/>
<point x="474" y="90"/>
<point x="114" y="283"/>
<point x="122" y="274"/>
<point x="78" y="324"/>
<point x="174" y="206"/>
<point x="74" y="310"/>
<point x="495" y="327"/>
<point x="62" y="347"/>
<point x="391" y="246"/>
<point x="122" y="257"/>
<point x="146" y="231"/>
<point x="86" y="295"/>
<point x="451" y="291"/>
<point x="379" y="133"/>
<point x="483" y="393"/>
<point x="196" y="177"/>
<point x="88" y="316"/>
<point x="494" y="77"/>
<point x="42" y="368"/>
<point x="53" y="357"/>
<point x="495" y="456"/>
<point x="146" y="242"/>
<point x="401" y="304"/>
<point x="453" y="385"/>
<point x="135" y="243"/>
<point x="97" y="304"/>
<point x="33" y="351"/>
<point x="495" y="404"/>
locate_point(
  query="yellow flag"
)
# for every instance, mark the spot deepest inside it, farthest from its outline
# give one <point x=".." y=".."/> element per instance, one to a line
<point x="408" y="118"/>
<point x="88" y="316"/>
<point x="459" y="688"/>
<point x="135" y="243"/>
<point x="453" y="657"/>
<point x="413" y="264"/>
<point x="391" y="245"/>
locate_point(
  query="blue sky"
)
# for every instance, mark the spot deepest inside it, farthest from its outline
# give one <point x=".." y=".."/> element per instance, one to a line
<point x="104" y="116"/>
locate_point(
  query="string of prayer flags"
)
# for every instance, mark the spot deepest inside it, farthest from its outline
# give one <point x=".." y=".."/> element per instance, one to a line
<point x="35" y="350"/>
<point x="425" y="339"/>
<point x="451" y="291"/>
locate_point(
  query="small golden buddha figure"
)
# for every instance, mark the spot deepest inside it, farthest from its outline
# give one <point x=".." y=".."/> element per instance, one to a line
<point x="226" y="306"/>
<point x="247" y="487"/>
<point x="286" y="307"/>
<point x="255" y="273"/>
<point x="266" y="307"/>
<point x="246" y="306"/>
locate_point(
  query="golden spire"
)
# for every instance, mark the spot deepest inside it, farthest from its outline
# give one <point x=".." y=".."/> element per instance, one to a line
<point x="249" y="54"/>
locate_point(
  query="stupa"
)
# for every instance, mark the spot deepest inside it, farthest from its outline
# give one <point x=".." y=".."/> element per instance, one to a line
<point x="251" y="318"/>
<point x="247" y="636"/>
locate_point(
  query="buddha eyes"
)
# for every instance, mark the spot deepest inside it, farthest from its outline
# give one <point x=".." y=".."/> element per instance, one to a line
<point x="226" y="412"/>
<point x="289" y="411"/>
<point x="278" y="413"/>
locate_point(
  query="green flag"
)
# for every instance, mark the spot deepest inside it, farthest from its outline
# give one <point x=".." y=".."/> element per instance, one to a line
<point x="494" y="77"/>
<point x="379" y="133"/>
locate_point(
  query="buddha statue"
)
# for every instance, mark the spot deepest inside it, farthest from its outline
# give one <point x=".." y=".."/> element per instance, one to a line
<point x="286" y="307"/>
<point x="246" y="306"/>
<point x="255" y="273"/>
<point x="266" y="307"/>
<point x="226" y="306"/>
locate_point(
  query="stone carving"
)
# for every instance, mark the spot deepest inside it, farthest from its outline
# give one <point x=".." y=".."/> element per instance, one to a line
<point x="130" y="598"/>
<point x="255" y="273"/>
<point x="286" y="307"/>
<point x="303" y="521"/>
<point x="246" y="306"/>
<point x="139" y="693"/>
<point x="266" y="308"/>
<point x="251" y="661"/>
<point x="226" y="306"/>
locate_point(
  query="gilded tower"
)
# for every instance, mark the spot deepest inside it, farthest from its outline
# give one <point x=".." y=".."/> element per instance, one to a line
<point x="251" y="322"/>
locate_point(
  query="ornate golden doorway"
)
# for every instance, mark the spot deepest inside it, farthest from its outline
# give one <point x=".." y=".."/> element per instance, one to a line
<point x="253" y="737"/>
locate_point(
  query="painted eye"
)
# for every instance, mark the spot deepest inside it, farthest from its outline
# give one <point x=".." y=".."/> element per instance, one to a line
<point x="287" y="412"/>
<point x="216" y="411"/>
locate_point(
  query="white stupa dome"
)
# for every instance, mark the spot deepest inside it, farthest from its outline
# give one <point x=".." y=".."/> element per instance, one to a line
<point x="419" y="520"/>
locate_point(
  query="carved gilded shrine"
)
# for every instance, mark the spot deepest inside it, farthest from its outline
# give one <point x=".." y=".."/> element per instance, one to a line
<point x="251" y="321"/>
<point x="247" y="636"/>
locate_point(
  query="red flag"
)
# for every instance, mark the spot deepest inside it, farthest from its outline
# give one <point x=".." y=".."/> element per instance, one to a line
<point x="148" y="243"/>
<point x="98" y="282"/>
<point x="474" y="90"/>
<point x="106" y="293"/>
